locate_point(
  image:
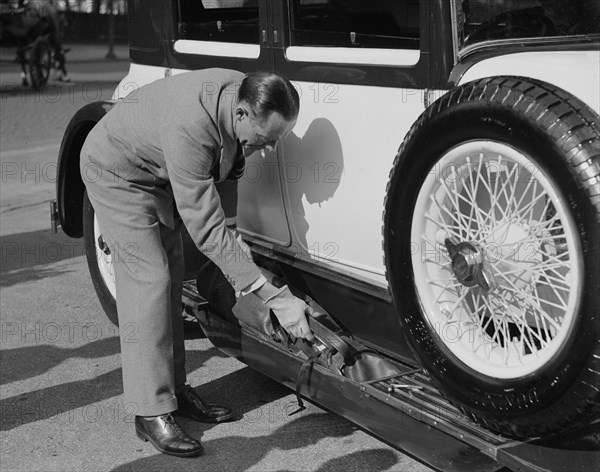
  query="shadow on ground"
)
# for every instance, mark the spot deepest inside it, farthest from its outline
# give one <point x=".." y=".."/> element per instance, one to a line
<point x="23" y="255"/>
<point x="23" y="363"/>
<point x="239" y="453"/>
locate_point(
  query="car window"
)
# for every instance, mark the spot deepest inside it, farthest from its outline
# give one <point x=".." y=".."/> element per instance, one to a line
<point x="233" y="21"/>
<point x="356" y="23"/>
<point x="144" y="26"/>
<point x="484" y="20"/>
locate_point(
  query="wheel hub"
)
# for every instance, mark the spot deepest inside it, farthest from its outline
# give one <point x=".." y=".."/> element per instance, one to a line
<point x="468" y="264"/>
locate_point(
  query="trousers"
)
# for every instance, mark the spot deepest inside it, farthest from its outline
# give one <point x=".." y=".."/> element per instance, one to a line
<point x="148" y="261"/>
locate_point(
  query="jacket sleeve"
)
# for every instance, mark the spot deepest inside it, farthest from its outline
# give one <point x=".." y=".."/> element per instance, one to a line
<point x="189" y="163"/>
<point x="228" y="189"/>
<point x="228" y="193"/>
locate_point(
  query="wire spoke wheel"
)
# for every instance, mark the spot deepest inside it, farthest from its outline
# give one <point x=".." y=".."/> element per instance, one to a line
<point x="501" y="279"/>
<point x="491" y="230"/>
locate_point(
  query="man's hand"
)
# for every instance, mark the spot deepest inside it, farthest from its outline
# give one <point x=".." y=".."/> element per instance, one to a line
<point x="289" y="310"/>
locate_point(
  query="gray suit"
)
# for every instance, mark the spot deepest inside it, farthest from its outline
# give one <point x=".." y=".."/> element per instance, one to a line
<point x="157" y="155"/>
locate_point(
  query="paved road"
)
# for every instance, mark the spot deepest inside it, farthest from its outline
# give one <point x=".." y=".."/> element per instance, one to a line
<point x="61" y="403"/>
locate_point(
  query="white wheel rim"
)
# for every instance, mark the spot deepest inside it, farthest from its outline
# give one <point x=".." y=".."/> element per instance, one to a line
<point x="521" y="242"/>
<point x="105" y="262"/>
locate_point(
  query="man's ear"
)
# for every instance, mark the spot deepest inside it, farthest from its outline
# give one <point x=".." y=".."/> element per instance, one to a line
<point x="241" y="112"/>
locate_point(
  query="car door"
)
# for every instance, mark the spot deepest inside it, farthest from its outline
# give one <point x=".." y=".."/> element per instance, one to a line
<point x="361" y="69"/>
<point x="232" y="34"/>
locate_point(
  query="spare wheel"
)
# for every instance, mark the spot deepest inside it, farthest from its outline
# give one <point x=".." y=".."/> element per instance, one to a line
<point x="492" y="249"/>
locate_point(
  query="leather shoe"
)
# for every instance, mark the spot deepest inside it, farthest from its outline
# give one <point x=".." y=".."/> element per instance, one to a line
<point x="167" y="435"/>
<point x="192" y="406"/>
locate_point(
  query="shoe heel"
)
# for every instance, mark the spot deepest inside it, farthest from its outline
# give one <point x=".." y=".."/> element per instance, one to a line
<point x="140" y="435"/>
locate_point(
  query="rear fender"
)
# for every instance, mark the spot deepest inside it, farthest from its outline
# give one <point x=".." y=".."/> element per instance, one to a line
<point x="69" y="184"/>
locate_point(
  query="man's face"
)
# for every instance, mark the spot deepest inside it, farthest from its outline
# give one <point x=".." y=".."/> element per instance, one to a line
<point x="257" y="135"/>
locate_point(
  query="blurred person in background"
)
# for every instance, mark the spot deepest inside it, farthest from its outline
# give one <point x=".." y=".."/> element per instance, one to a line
<point x="47" y="11"/>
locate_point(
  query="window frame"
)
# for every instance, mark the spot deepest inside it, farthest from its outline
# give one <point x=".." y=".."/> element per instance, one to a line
<point x="519" y="43"/>
<point x="353" y="39"/>
<point x="402" y="68"/>
<point x="226" y="21"/>
<point x="202" y="53"/>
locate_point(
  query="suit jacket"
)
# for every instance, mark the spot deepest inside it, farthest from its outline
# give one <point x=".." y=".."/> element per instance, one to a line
<point x="173" y="139"/>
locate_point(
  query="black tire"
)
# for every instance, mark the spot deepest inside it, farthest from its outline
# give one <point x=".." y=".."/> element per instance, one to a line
<point x="523" y="386"/>
<point x="94" y="253"/>
<point x="40" y="62"/>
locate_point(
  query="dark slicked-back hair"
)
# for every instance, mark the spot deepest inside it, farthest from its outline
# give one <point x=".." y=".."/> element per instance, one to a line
<point x="266" y="92"/>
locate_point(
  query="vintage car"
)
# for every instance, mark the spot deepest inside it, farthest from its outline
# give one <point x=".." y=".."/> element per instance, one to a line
<point x="439" y="198"/>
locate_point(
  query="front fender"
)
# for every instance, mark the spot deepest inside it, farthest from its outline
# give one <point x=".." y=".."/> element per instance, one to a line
<point x="69" y="184"/>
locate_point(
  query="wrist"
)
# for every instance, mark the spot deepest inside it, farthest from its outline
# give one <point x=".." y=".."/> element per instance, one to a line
<point x="233" y="229"/>
<point x="267" y="291"/>
<point x="231" y="223"/>
<point x="254" y="286"/>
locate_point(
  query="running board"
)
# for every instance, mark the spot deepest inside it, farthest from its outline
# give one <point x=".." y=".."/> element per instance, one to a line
<point x="405" y="410"/>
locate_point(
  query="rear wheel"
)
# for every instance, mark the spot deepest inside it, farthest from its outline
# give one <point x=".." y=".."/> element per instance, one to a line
<point x="491" y="241"/>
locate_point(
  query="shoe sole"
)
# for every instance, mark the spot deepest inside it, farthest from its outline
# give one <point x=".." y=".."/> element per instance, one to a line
<point x="145" y="438"/>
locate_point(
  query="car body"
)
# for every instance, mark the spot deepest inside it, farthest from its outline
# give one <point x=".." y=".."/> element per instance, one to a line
<point x="370" y="78"/>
